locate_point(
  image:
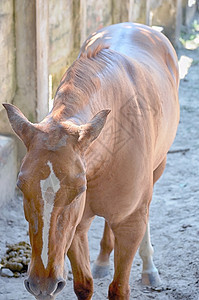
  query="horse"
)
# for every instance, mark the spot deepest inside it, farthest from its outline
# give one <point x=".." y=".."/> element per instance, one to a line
<point x="99" y="151"/>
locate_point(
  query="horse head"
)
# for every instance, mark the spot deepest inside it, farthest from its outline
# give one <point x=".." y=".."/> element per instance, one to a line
<point x="53" y="181"/>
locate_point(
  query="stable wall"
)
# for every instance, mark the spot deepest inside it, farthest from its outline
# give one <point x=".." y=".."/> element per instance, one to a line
<point x="7" y="53"/>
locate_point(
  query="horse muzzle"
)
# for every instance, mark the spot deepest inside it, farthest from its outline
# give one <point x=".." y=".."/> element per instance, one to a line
<point x="44" y="292"/>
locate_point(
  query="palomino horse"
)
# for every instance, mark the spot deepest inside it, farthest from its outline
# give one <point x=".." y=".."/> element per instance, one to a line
<point x="67" y="178"/>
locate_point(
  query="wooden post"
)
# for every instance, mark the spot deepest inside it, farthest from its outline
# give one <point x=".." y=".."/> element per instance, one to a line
<point x="83" y="17"/>
<point x="148" y="7"/>
<point x="42" y="28"/>
<point x="172" y="24"/>
<point x="120" y="11"/>
<point x="139" y="11"/>
<point x="76" y="24"/>
<point x="189" y="10"/>
<point x="25" y="36"/>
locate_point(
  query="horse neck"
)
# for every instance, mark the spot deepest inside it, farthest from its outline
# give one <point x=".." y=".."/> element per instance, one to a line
<point x="79" y="113"/>
<point x="77" y="100"/>
<point x="70" y="107"/>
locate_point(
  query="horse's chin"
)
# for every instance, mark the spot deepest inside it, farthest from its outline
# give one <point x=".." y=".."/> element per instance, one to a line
<point x="45" y="297"/>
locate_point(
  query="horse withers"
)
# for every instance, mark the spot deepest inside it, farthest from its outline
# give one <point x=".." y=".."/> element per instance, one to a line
<point x="99" y="152"/>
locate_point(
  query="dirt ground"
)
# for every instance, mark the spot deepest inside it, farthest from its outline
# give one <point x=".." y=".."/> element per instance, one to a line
<point x="174" y="216"/>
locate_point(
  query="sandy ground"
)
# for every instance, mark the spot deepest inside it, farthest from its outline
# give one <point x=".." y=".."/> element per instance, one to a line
<point x="174" y="217"/>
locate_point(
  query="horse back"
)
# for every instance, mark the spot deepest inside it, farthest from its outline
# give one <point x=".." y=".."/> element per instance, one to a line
<point x="137" y="41"/>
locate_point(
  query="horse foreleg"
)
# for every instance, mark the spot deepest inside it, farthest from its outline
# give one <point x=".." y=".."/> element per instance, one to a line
<point x="101" y="265"/>
<point x="128" y="235"/>
<point x="150" y="275"/>
<point x="78" y="255"/>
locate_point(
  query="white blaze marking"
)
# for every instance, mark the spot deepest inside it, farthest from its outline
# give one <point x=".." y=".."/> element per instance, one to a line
<point x="49" y="188"/>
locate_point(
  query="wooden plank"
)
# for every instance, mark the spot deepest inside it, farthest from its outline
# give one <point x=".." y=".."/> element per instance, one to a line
<point x="42" y="39"/>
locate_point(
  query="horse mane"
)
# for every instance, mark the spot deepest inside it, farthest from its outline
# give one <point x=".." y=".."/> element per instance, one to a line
<point x="84" y="77"/>
<point x="90" y="53"/>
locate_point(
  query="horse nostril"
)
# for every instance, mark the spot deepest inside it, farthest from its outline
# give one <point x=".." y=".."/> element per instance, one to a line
<point x="27" y="285"/>
<point x="34" y="292"/>
<point x="60" y="285"/>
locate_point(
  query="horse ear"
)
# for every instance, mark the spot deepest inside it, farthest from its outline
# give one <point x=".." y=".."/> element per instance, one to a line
<point x="20" y="124"/>
<point x="90" y="131"/>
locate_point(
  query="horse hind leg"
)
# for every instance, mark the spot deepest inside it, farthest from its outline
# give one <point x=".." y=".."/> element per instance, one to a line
<point x="150" y="275"/>
<point x="101" y="266"/>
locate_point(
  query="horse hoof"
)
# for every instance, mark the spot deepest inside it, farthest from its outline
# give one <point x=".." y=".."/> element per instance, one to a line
<point x="151" y="279"/>
<point x="100" y="271"/>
